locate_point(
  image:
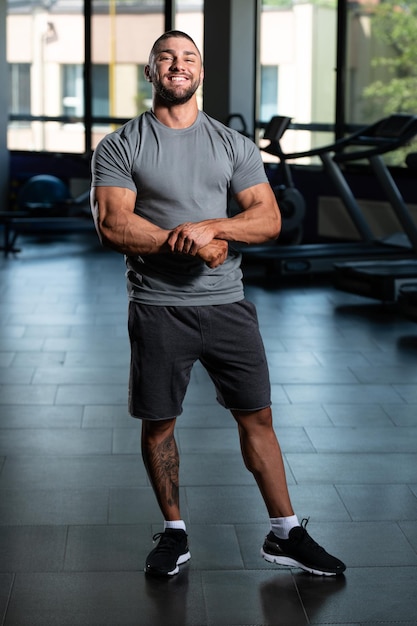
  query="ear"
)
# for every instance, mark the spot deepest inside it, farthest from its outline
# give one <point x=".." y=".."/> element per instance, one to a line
<point x="147" y="72"/>
<point x="201" y="76"/>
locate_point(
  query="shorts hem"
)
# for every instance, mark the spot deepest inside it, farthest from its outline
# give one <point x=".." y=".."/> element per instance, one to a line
<point x="264" y="406"/>
<point x="152" y="418"/>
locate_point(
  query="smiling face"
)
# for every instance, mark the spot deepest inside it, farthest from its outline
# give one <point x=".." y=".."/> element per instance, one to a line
<point x="175" y="70"/>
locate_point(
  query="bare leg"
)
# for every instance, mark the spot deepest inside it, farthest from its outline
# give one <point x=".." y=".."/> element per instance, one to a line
<point x="161" y="459"/>
<point x="262" y="456"/>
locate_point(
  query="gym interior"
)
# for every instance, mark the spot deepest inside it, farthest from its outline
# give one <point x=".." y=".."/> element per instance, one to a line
<point x="337" y="305"/>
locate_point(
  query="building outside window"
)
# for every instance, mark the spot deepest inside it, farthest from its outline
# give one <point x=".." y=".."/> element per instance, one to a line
<point x="269" y="92"/>
<point x="297" y="56"/>
<point x="100" y="90"/>
<point x="19" y="90"/>
<point x="72" y="90"/>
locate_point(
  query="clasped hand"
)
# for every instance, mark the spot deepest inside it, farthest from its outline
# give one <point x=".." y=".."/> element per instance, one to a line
<point x="197" y="239"/>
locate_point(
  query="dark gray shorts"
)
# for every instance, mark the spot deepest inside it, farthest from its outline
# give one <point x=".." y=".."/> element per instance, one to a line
<point x="167" y="340"/>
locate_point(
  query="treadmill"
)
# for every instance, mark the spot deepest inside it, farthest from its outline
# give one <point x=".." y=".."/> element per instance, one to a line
<point x="407" y="300"/>
<point x="368" y="143"/>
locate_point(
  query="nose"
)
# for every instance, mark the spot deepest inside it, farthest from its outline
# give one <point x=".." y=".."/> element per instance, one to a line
<point x="177" y="65"/>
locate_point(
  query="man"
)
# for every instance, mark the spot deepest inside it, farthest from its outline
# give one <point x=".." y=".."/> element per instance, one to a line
<point x="159" y="196"/>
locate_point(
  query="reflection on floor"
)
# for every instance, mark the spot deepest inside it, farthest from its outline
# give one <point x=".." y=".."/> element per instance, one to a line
<point x="76" y="510"/>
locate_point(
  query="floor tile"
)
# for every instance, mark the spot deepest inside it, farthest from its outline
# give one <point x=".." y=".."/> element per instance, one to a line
<point x="214" y="547"/>
<point x="54" y="441"/>
<point x="354" y="468"/>
<point x="265" y="600"/>
<point x="6" y="583"/>
<point x="105" y="548"/>
<point x="108" y="416"/>
<point x="77" y="512"/>
<point x="32" y="548"/>
<point x="45" y="416"/>
<point x="105" y="598"/>
<point x="225" y="504"/>
<point x="402" y="414"/>
<point x="70" y="472"/>
<point x="359" y="440"/>
<point x="208" y="440"/>
<point x="53" y="506"/>
<point x="16" y="375"/>
<point x="79" y="375"/>
<point x="365" y="544"/>
<point x="27" y="394"/>
<point x="379" y="502"/>
<point x="358" y="415"/>
<point x="394" y="587"/>
<point x="313" y="374"/>
<point x="139" y="506"/>
<point x="111" y="393"/>
<point x="38" y="359"/>
<point x="217" y="468"/>
<point x="355" y="394"/>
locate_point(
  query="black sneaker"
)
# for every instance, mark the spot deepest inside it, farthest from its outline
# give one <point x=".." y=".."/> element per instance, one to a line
<point x="300" y="550"/>
<point x="171" y="551"/>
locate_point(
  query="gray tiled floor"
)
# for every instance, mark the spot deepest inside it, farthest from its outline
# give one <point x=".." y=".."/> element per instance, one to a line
<point x="76" y="510"/>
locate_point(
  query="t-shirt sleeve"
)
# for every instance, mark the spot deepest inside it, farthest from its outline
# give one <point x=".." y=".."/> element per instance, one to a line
<point x="111" y="164"/>
<point x="249" y="168"/>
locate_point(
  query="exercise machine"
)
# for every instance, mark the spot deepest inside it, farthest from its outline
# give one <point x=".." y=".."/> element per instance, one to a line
<point x="44" y="204"/>
<point x="369" y="144"/>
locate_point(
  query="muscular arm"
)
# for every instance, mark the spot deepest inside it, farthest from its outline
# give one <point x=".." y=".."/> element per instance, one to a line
<point x="118" y="227"/>
<point x="259" y="221"/>
<point x="121" y="229"/>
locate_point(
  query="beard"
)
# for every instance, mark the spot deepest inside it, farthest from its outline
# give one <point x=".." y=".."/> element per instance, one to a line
<point x="171" y="96"/>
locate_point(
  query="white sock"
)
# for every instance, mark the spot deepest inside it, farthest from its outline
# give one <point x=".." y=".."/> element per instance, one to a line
<point x="178" y="524"/>
<point x="281" y="526"/>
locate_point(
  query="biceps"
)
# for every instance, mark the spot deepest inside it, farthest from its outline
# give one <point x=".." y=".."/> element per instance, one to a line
<point x="257" y="196"/>
<point x="108" y="202"/>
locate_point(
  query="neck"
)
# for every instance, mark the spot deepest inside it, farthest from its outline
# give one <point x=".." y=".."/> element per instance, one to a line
<point x="176" y="116"/>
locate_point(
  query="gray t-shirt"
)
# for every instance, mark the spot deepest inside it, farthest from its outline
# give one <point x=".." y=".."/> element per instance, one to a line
<point x="179" y="176"/>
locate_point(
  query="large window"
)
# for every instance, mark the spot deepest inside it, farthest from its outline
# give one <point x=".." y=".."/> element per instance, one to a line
<point x="73" y="79"/>
<point x="48" y="56"/>
<point x="48" y="37"/>
<point x="381" y="62"/>
<point x="122" y="36"/>
<point x="297" y="57"/>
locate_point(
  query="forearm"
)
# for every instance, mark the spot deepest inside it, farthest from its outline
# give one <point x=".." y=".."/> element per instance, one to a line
<point x="132" y="235"/>
<point x="250" y="227"/>
<point x="258" y="221"/>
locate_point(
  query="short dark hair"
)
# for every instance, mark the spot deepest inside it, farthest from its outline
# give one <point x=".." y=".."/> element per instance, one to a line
<point x="167" y="35"/>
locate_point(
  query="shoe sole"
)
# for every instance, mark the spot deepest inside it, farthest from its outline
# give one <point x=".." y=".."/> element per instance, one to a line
<point x="289" y="562"/>
<point x="183" y="558"/>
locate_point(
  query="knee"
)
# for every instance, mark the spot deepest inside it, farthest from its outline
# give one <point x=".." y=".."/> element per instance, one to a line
<point x="252" y="420"/>
<point x="157" y="430"/>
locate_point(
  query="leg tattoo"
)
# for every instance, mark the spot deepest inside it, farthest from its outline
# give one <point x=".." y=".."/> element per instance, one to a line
<point x="162" y="464"/>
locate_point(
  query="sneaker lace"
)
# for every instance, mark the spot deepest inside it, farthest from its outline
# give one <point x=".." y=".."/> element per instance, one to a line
<point x="309" y="540"/>
<point x="167" y="542"/>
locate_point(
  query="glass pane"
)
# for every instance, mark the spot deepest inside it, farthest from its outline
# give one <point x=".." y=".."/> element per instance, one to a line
<point x="122" y="36"/>
<point x="45" y="53"/>
<point x="298" y="57"/>
<point x="189" y="18"/>
<point x="382" y="63"/>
